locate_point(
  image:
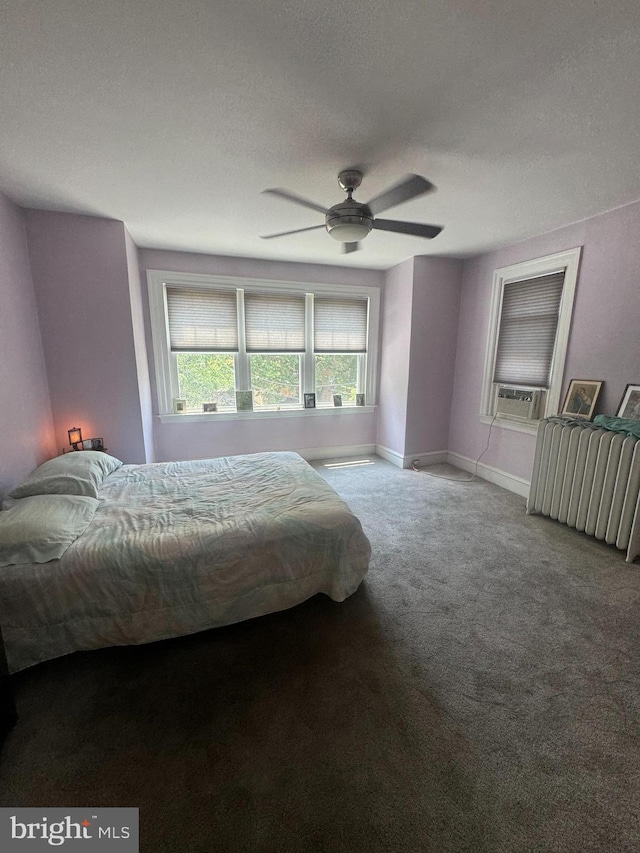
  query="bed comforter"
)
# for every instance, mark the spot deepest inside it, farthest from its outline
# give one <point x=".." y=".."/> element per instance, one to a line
<point x="180" y="547"/>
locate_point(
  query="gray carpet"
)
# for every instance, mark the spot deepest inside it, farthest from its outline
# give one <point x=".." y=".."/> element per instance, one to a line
<point x="478" y="693"/>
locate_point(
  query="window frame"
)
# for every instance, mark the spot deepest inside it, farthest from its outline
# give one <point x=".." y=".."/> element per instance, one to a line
<point x="165" y="363"/>
<point x="569" y="261"/>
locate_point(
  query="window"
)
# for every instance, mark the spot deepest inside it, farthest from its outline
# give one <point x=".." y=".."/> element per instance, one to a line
<point x="529" y="328"/>
<point x="214" y="336"/>
<point x="339" y="346"/>
<point x="275" y="338"/>
<point x="527" y="333"/>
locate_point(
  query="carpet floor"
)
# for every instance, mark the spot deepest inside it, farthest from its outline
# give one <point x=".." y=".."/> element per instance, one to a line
<point x="479" y="692"/>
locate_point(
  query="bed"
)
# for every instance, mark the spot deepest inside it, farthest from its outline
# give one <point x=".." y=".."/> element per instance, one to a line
<point x="167" y="549"/>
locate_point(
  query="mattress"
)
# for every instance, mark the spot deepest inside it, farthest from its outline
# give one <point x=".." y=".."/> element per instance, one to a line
<point x="180" y="547"/>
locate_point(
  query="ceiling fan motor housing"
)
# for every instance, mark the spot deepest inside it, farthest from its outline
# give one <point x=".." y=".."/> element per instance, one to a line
<point x="349" y="221"/>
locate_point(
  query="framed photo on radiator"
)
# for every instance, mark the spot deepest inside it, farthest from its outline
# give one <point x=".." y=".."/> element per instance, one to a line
<point x="581" y="398"/>
<point x="630" y="404"/>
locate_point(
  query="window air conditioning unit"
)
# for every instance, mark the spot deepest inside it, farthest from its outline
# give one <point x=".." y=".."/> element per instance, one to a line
<point x="522" y="403"/>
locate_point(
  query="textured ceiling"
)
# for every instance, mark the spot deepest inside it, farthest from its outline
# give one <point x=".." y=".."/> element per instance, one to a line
<point x="175" y="116"/>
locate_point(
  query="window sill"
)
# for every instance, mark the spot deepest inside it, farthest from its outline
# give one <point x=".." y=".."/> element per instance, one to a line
<point x="200" y="417"/>
<point x="506" y="423"/>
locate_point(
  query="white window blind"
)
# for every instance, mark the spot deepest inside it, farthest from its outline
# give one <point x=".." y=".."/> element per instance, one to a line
<point x="528" y="324"/>
<point x="274" y="323"/>
<point x="339" y="325"/>
<point x="202" y="320"/>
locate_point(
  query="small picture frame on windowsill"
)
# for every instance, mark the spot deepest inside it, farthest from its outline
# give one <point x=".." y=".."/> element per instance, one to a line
<point x="244" y="401"/>
<point x="337" y="399"/>
<point x="309" y="401"/>
<point x="179" y="406"/>
<point x="359" y="399"/>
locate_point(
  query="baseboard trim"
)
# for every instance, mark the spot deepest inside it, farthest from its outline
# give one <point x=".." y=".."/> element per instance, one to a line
<point x="400" y="461"/>
<point x="390" y="455"/>
<point x="494" y="475"/>
<point x="315" y="453"/>
<point x="433" y="457"/>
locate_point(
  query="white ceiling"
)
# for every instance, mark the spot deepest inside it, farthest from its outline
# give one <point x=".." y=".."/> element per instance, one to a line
<point x="174" y="116"/>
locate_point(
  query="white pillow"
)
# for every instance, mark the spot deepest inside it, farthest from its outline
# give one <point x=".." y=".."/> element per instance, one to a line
<point x="77" y="473"/>
<point x="41" y="528"/>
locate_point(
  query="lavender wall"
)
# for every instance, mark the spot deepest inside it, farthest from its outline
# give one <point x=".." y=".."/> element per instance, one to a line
<point x="161" y="259"/>
<point x="26" y="423"/>
<point x="310" y="432"/>
<point x="604" y="342"/>
<point x="434" y="329"/>
<point x="394" y="362"/>
<point x="136" y="299"/>
<point x="224" y="437"/>
<point x="80" y="275"/>
<point x="419" y="331"/>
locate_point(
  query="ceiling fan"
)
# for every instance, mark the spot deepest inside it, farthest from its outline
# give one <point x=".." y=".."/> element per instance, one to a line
<point x="350" y="221"/>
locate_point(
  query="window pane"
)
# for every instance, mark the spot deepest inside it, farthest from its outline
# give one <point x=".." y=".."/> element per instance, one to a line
<point x="275" y="380"/>
<point x="202" y="320"/>
<point x="336" y="374"/>
<point x="339" y="325"/>
<point x="527" y="336"/>
<point x="206" y="378"/>
<point x="274" y="323"/>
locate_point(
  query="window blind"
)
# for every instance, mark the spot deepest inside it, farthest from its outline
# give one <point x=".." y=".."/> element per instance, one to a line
<point x="528" y="324"/>
<point x="202" y="320"/>
<point x="274" y="323"/>
<point x="339" y="325"/>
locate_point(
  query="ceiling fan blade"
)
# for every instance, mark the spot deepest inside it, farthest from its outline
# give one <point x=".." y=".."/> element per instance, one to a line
<point x="415" y="229"/>
<point x="297" y="199"/>
<point x="411" y="187"/>
<point x="347" y="248"/>
<point x="286" y="233"/>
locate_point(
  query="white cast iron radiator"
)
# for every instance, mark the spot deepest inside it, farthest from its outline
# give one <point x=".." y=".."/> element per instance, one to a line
<point x="588" y="478"/>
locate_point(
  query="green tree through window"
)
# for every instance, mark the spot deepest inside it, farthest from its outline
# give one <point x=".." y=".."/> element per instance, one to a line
<point x="206" y="378"/>
<point x="275" y="380"/>
<point x="336" y="374"/>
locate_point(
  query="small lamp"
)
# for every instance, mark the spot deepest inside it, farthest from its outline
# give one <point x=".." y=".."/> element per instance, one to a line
<point x="75" y="437"/>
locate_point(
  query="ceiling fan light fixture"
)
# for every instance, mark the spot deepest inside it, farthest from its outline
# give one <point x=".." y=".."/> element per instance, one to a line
<point x="349" y="222"/>
<point x="349" y="232"/>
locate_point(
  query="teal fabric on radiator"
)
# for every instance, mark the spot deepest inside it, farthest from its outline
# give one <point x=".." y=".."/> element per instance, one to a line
<point x="625" y="425"/>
